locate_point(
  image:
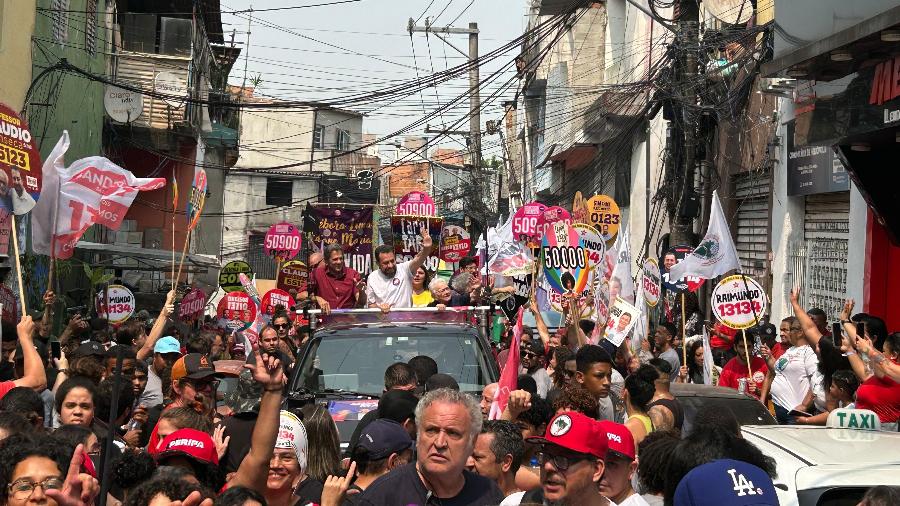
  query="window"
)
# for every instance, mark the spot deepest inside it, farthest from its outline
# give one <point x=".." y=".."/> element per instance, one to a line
<point x="60" y="17"/>
<point x="319" y="137"/>
<point x="279" y="192"/>
<point x="90" y="27"/>
<point x="343" y="140"/>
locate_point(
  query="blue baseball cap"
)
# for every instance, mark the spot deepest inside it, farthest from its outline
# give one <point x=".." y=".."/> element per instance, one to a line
<point x="167" y="344"/>
<point x="383" y="437"/>
<point x="726" y="481"/>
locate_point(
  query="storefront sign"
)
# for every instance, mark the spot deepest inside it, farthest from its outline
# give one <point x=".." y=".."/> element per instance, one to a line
<point x="121" y="304"/>
<point x="192" y="305"/>
<point x="293" y="277"/>
<point x="351" y="228"/>
<point x="525" y="224"/>
<point x="455" y="243"/>
<point x="603" y="213"/>
<point x="739" y="301"/>
<point x="407" y="233"/>
<point x="283" y="241"/>
<point x="236" y="311"/>
<point x="813" y="169"/>
<point x="275" y="297"/>
<point x="229" y="278"/>
<point x="416" y="203"/>
<point x="650" y="282"/>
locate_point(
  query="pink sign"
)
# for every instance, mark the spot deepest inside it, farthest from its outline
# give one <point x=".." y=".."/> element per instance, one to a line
<point x="237" y="310"/>
<point x="550" y="216"/>
<point x="525" y="224"/>
<point x="192" y="305"/>
<point x="283" y="241"/>
<point x="275" y="297"/>
<point x="416" y="203"/>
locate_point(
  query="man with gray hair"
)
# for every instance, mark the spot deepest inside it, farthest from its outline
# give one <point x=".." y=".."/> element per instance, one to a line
<point x="335" y="285"/>
<point x="448" y="423"/>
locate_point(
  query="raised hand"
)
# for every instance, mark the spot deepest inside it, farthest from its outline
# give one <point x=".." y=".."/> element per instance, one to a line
<point x="267" y="371"/>
<point x="847" y="310"/>
<point x="426" y="239"/>
<point x="221" y="441"/>
<point x="79" y="489"/>
<point x="195" y="498"/>
<point x="336" y="487"/>
<point x="795" y="296"/>
<point x="25" y="328"/>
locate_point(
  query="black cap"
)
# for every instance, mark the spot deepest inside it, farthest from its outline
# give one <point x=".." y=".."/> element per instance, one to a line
<point x="383" y="437"/>
<point x="397" y="405"/>
<point x="89" y="348"/>
<point x="441" y="380"/>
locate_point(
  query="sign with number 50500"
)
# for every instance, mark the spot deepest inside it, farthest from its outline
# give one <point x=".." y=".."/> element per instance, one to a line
<point x="739" y="302"/>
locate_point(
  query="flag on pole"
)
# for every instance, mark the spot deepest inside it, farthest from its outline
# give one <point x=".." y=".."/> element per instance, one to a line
<point x="715" y="255"/>
<point x="174" y="191"/>
<point x="510" y="375"/>
<point x="707" y="359"/>
<point x="620" y="283"/>
<point x="42" y="214"/>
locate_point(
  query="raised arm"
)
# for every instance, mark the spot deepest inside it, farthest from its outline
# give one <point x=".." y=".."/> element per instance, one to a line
<point x="810" y="330"/>
<point x="254" y="469"/>
<point x="542" y="329"/>
<point x="159" y="326"/>
<point x="35" y="376"/>
<point x="422" y="255"/>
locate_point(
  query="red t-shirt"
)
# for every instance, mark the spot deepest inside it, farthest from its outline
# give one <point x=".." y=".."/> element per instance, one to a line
<point x="5" y="387"/>
<point x="337" y="290"/>
<point x="717" y="342"/>
<point x="881" y="395"/>
<point x="737" y="368"/>
<point x="778" y="350"/>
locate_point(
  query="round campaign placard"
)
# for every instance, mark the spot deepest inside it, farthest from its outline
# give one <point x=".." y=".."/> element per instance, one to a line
<point x="650" y="281"/>
<point x="565" y="260"/>
<point x="192" y="305"/>
<point x="455" y="243"/>
<point x="228" y="276"/>
<point x="237" y="310"/>
<point x="275" y="297"/>
<point x="603" y="213"/>
<point x="293" y="275"/>
<point x="737" y="303"/>
<point x="550" y="216"/>
<point x="592" y="242"/>
<point x="283" y="241"/>
<point x="525" y="224"/>
<point x="416" y="203"/>
<point x="121" y="304"/>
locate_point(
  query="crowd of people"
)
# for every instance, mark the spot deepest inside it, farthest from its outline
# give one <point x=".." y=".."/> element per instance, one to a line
<point x="132" y="415"/>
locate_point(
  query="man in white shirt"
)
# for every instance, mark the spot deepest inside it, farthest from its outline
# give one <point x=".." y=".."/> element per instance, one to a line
<point x="391" y="285"/>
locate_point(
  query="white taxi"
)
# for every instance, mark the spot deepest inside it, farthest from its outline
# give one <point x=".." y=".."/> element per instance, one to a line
<point x="831" y="465"/>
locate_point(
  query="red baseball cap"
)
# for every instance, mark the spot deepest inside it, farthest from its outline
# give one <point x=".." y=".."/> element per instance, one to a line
<point x="191" y="443"/>
<point x="576" y="432"/>
<point x="619" y="439"/>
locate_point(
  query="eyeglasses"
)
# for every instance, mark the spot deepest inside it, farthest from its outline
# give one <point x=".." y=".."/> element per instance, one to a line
<point x="23" y="488"/>
<point x="202" y="386"/>
<point x="560" y="462"/>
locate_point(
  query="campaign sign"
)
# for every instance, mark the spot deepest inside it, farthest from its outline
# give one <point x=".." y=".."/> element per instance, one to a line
<point x="121" y="304"/>
<point x="416" y="203"/>
<point x="650" y="282"/>
<point x="275" y="297"/>
<point x="592" y="242"/>
<point x="525" y="224"/>
<point x="198" y="198"/>
<point x="407" y="232"/>
<point x="739" y="301"/>
<point x="689" y="283"/>
<point x="236" y="311"/>
<point x="511" y="259"/>
<point x="603" y="213"/>
<point x="565" y="260"/>
<point x="229" y="278"/>
<point x="20" y="162"/>
<point x="293" y="276"/>
<point x="283" y="241"/>
<point x="622" y="318"/>
<point x="455" y="243"/>
<point x="579" y="208"/>
<point x="192" y="305"/>
<point x="555" y="300"/>
<point x="550" y="216"/>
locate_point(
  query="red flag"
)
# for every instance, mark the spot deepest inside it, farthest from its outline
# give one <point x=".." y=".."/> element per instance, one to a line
<point x="510" y="375"/>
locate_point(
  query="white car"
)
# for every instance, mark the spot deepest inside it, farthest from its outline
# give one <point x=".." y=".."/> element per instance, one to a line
<point x="829" y="466"/>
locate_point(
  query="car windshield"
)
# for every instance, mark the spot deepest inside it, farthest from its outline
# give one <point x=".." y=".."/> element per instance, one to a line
<point x="355" y="361"/>
<point x="747" y="411"/>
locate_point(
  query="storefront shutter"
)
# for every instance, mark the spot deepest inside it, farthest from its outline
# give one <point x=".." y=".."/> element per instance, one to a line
<point x="826" y="230"/>
<point x="751" y="195"/>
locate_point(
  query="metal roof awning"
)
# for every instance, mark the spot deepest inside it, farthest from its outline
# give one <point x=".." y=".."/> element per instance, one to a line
<point x="148" y="259"/>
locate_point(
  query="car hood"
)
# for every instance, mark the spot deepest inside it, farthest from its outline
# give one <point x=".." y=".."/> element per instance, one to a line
<point x="831" y="446"/>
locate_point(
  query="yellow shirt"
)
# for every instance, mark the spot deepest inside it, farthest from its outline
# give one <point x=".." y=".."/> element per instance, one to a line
<point x="422" y="299"/>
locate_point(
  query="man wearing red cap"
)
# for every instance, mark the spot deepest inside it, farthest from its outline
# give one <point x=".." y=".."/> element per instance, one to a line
<point x="194" y="451"/>
<point x="572" y="456"/>
<point x="620" y="466"/>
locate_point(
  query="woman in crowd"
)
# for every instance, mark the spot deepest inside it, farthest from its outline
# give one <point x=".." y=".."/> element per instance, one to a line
<point x="639" y="390"/>
<point x="75" y="401"/>
<point x="324" y="442"/>
<point x="35" y="469"/>
<point x="693" y="371"/>
<point x="880" y="390"/>
<point x="790" y="378"/>
<point x="174" y="419"/>
<point x="421" y="295"/>
<point x="288" y="482"/>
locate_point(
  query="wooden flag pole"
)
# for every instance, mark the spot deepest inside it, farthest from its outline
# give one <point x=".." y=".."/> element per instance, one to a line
<point x="174" y="283"/>
<point x="181" y="263"/>
<point x="747" y="355"/>
<point x="683" y="333"/>
<point x="15" y="240"/>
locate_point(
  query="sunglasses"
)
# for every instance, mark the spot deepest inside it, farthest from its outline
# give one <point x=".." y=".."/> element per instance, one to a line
<point x="560" y="462"/>
<point x="281" y="325"/>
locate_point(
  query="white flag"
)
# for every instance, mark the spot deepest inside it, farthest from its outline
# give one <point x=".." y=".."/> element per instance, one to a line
<point x="707" y="359"/>
<point x="42" y="214"/>
<point x="640" y="328"/>
<point x="715" y="255"/>
<point x="620" y="283"/>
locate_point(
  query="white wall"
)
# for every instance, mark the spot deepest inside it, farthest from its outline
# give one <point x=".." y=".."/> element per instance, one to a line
<point x="275" y="137"/>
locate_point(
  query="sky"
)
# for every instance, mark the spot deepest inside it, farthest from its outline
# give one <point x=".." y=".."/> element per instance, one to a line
<point x="293" y="52"/>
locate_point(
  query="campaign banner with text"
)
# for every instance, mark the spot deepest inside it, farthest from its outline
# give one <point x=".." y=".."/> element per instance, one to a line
<point x="351" y="228"/>
<point x="407" y="233"/>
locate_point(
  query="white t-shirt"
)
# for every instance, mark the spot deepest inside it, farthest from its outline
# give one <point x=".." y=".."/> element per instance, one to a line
<point x="634" y="500"/>
<point x="396" y="291"/>
<point x="793" y="376"/>
<point x="513" y="499"/>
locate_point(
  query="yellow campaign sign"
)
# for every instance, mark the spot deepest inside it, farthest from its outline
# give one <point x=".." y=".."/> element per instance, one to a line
<point x="603" y="213"/>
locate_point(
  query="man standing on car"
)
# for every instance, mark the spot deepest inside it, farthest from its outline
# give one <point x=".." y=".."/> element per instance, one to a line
<point x="448" y="422"/>
<point x="335" y="285"/>
<point x="391" y="285"/>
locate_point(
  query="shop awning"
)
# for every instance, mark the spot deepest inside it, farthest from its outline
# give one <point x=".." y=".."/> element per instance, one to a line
<point x="148" y="259"/>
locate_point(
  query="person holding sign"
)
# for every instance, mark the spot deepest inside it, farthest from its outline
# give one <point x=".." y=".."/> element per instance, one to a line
<point x="336" y="285"/>
<point x="736" y="368"/>
<point x="391" y="285"/>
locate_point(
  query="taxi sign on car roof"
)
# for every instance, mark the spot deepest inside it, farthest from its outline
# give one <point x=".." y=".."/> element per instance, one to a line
<point x="862" y="419"/>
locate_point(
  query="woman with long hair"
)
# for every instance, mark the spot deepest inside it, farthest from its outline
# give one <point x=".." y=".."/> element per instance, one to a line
<point x="693" y="371"/>
<point x="639" y="390"/>
<point x="324" y="442"/>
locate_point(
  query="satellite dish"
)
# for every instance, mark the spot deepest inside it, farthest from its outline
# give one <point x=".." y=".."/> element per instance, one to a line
<point x="122" y="105"/>
<point x="172" y="84"/>
<point x="732" y="12"/>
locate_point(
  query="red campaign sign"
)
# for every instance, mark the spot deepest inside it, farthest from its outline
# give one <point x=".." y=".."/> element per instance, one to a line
<point x="274" y="298"/>
<point x="525" y="224"/>
<point x="416" y="203"/>
<point x="455" y="243"/>
<point x="10" y="312"/>
<point x="283" y="241"/>
<point x="20" y="158"/>
<point x="293" y="276"/>
<point x="237" y="310"/>
<point x="192" y="305"/>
